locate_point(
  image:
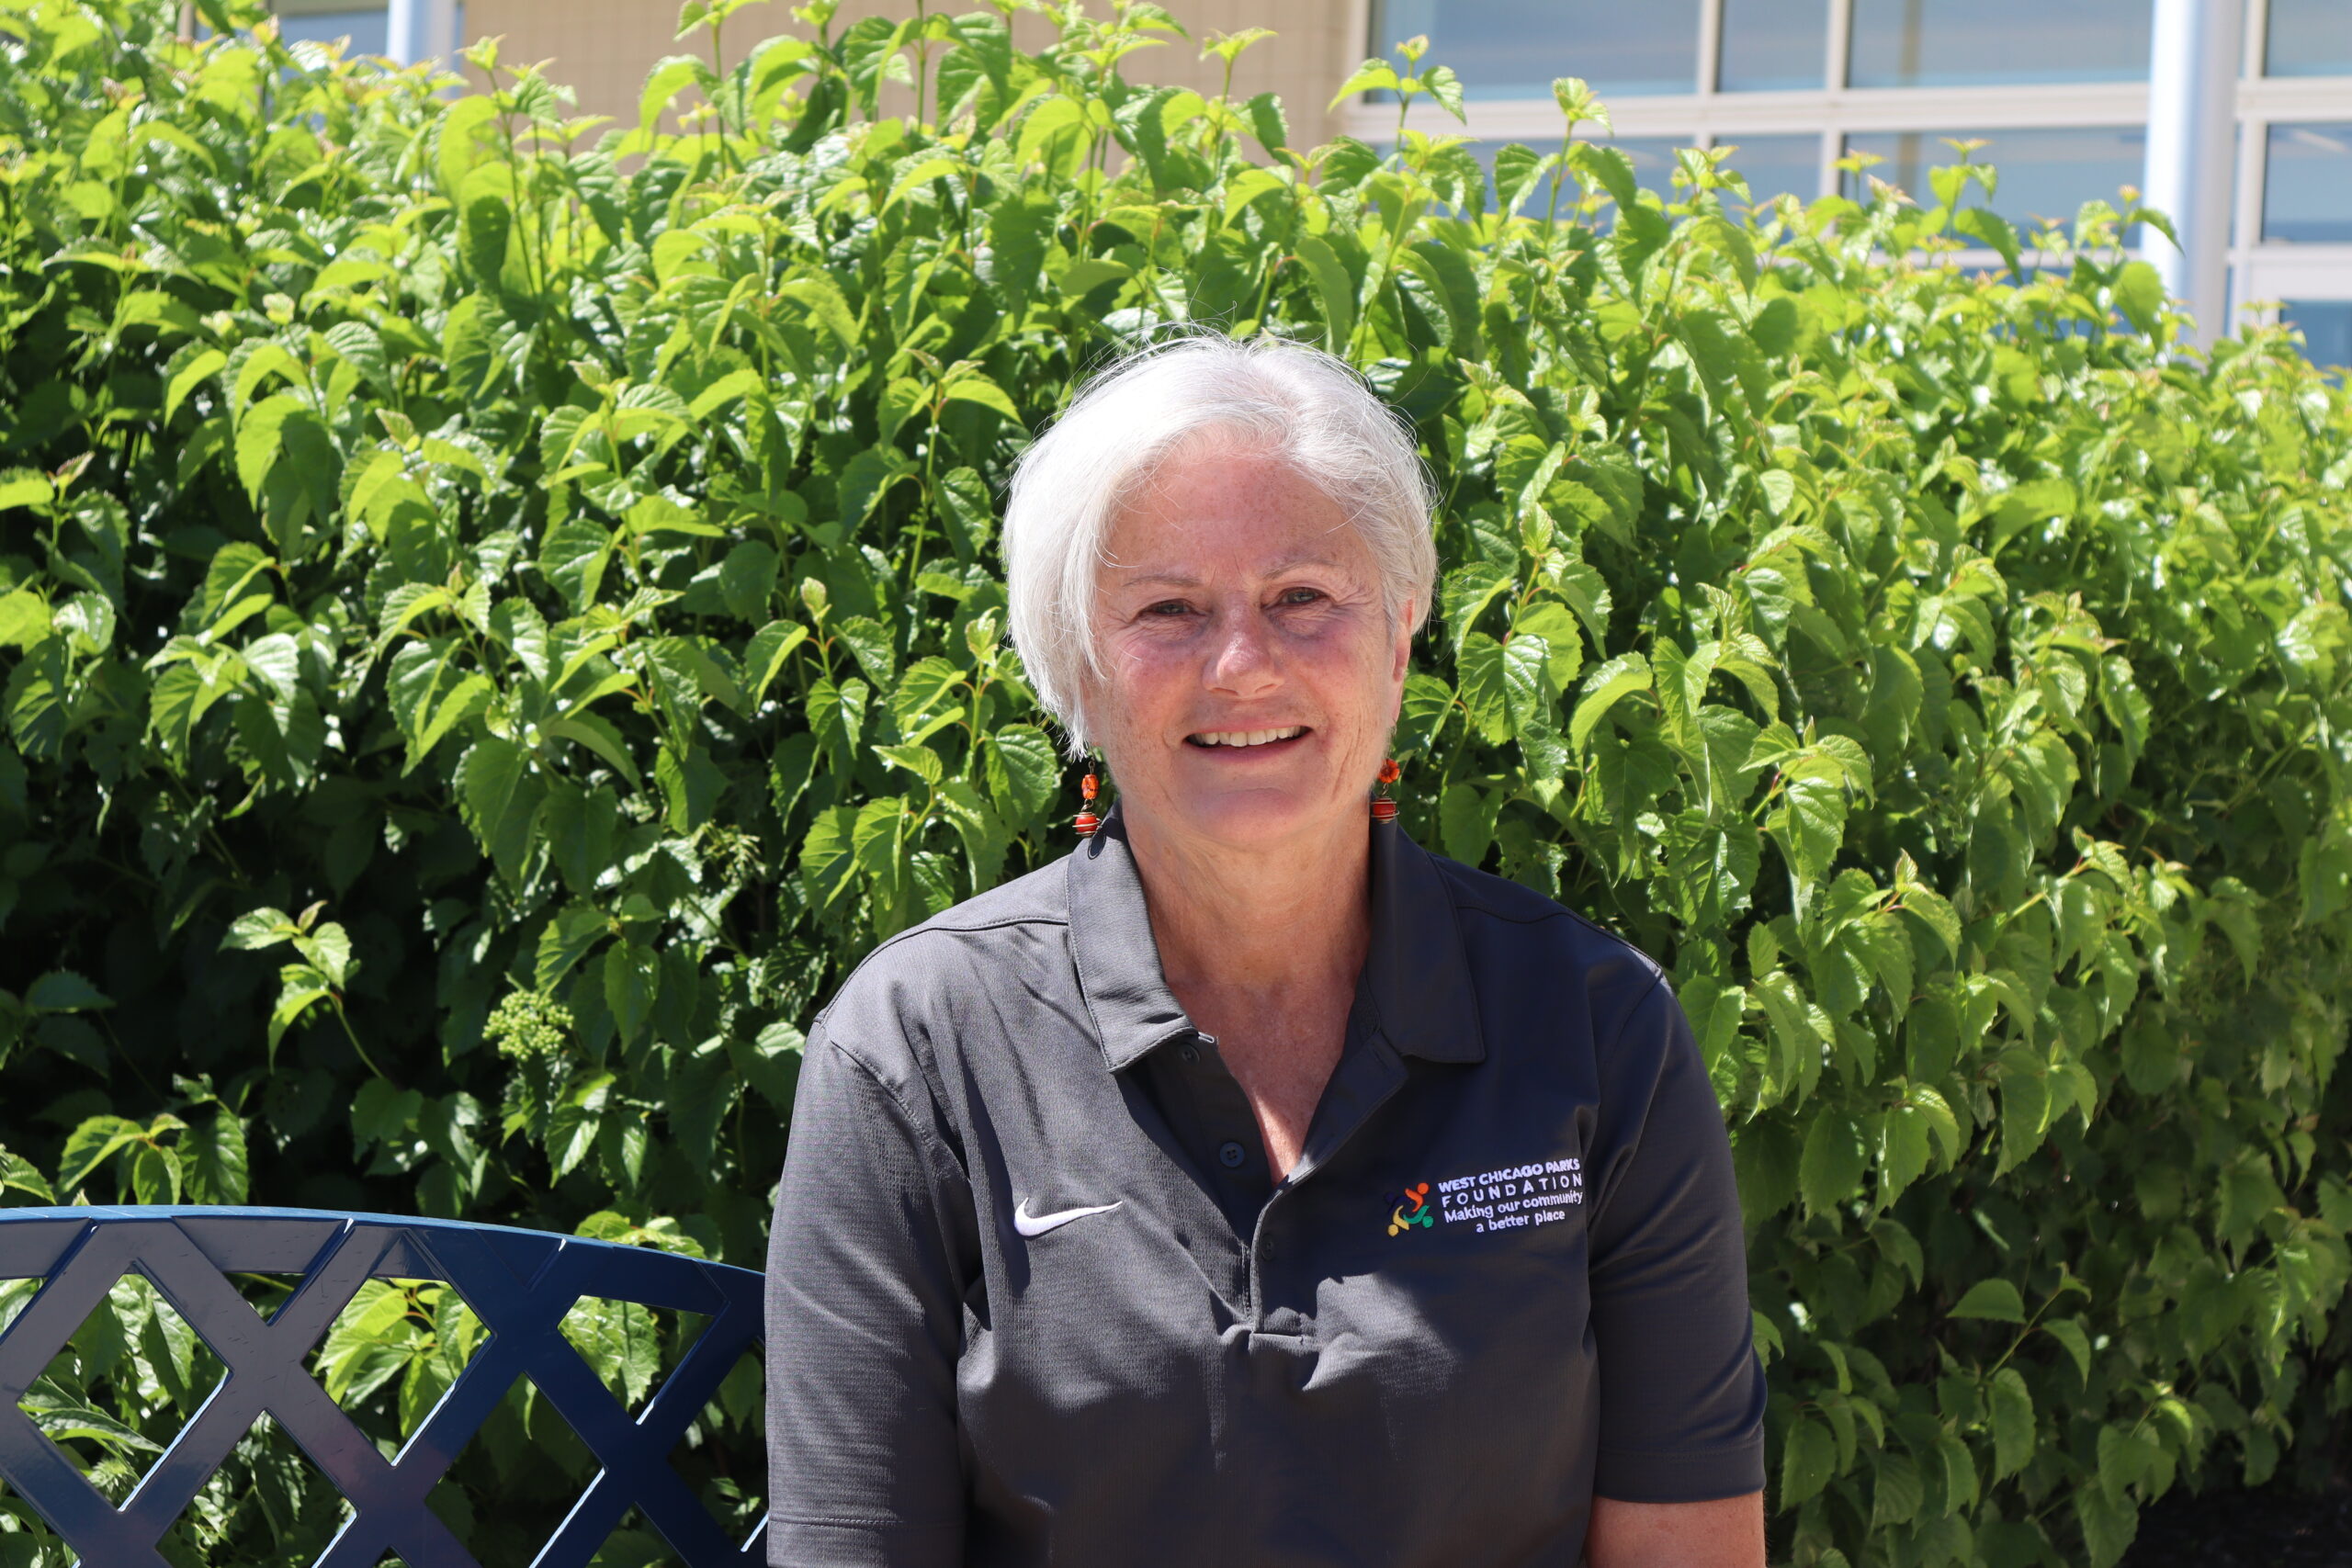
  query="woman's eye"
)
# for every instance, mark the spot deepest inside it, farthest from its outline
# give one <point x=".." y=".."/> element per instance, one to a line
<point x="1298" y="596"/>
<point x="1169" y="607"/>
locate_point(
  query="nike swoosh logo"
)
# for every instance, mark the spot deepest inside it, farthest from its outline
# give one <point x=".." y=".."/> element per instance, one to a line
<point x="1028" y="1224"/>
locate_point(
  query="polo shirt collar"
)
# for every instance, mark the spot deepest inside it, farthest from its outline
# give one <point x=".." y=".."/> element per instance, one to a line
<point x="1416" y="974"/>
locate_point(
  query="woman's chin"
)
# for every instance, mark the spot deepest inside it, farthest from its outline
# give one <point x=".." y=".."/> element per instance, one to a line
<point x="1263" y="816"/>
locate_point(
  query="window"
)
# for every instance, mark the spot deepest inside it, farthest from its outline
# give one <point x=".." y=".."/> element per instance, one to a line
<point x="2308" y="194"/>
<point x="1772" y="46"/>
<point x="2309" y="38"/>
<point x="1777" y="166"/>
<point x="2044" y="175"/>
<point x="1953" y="43"/>
<point x="2326" y="326"/>
<point x="366" y="29"/>
<point x="311" y="21"/>
<point x="1512" y="49"/>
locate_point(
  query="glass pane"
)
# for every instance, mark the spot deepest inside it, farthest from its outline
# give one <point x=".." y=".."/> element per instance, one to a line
<point x="1956" y="43"/>
<point x="1777" y="166"/>
<point x="366" y="29"/>
<point x="2326" y="326"/>
<point x="1773" y="45"/>
<point x="2044" y="175"/>
<point x="2309" y="38"/>
<point x="1512" y="49"/>
<point x="2308" y="195"/>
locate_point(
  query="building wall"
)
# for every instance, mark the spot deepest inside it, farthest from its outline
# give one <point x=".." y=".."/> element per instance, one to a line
<point x="603" y="49"/>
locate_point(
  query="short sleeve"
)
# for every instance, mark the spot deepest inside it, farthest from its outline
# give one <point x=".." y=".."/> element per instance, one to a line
<point x="871" y="1244"/>
<point x="1681" y="1393"/>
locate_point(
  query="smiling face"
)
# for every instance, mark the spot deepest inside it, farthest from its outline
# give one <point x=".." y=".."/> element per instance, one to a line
<point x="1251" y="670"/>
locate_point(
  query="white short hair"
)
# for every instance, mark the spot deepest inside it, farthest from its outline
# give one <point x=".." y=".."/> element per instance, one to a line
<point x="1269" y="395"/>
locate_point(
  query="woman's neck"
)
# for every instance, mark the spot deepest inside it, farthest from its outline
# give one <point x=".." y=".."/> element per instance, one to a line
<point x="1256" y="921"/>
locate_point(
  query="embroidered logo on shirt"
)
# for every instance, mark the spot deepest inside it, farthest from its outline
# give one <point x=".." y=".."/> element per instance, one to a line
<point x="1028" y="1224"/>
<point x="1515" y="1197"/>
<point x="1409" y="1208"/>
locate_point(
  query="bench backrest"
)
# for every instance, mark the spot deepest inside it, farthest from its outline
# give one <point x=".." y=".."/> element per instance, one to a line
<point x="519" y="1283"/>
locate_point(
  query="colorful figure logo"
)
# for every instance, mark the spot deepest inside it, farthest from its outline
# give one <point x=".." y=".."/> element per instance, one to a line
<point x="1412" y="1208"/>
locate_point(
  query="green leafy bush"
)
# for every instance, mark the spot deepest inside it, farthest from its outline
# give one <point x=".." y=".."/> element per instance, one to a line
<point x="498" y="613"/>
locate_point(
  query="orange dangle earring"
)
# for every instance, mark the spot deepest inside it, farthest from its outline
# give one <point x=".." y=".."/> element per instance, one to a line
<point x="1087" y="821"/>
<point x="1384" y="800"/>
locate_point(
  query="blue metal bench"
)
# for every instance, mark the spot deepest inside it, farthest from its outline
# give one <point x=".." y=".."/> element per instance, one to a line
<point x="519" y="1283"/>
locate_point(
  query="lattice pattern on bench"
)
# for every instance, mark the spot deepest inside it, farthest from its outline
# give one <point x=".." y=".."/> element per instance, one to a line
<point x="519" y="1283"/>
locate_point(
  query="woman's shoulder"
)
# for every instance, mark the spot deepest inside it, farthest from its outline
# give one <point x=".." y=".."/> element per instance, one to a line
<point x="1510" y="926"/>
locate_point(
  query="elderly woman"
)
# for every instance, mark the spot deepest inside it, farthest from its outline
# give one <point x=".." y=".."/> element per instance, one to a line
<point x="1252" y="1186"/>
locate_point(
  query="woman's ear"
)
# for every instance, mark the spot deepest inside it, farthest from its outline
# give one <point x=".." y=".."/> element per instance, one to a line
<point x="1408" y="616"/>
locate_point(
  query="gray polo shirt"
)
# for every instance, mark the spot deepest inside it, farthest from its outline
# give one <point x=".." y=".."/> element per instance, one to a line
<point x="1033" y="1297"/>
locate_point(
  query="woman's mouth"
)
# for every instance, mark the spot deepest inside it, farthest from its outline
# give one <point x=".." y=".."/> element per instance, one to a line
<point x="1245" y="738"/>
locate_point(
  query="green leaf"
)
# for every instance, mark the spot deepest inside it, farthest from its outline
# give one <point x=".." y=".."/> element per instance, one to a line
<point x="24" y="618"/>
<point x="1830" y="1175"/>
<point x="463" y="701"/>
<point x="1563" y="643"/>
<point x="261" y="439"/>
<point x="632" y="981"/>
<point x="501" y="791"/>
<point x="1372" y="76"/>
<point x="691" y="785"/>
<point x="1025" y="774"/>
<point x="1766" y="1159"/>
<point x="573" y="1125"/>
<point x="1810" y="824"/>
<point x="827" y="866"/>
<point x="1465" y="593"/>
<point x="18" y="1174"/>
<point x="2013" y="1424"/>
<point x="1267" y="122"/>
<point x="1603" y="689"/>
<point x="765" y="656"/>
<point x="770" y="1064"/>
<point x="747" y="580"/>
<point x="216" y="1163"/>
<point x="61" y="990"/>
<point x="24" y="487"/>
<point x="573" y="559"/>
<point x="1467" y="817"/>
<point x="1485" y="686"/>
<point x="588" y="730"/>
<point x="567" y="939"/>
<point x="869" y="642"/>
<point x="1808" y="1458"/>
<point x="2078" y="1344"/>
<point x="92" y="1141"/>
<point x="978" y="390"/>
<point x="580" y="825"/>
<point x="1333" y="288"/>
<point x="327" y="948"/>
<point x="258" y="929"/>
<point x="2110" y="1524"/>
<point x="2139" y="295"/>
<point x="1439" y="82"/>
<point x="1608" y="168"/>
<point x="186" y="379"/>
<point x="1993" y="1299"/>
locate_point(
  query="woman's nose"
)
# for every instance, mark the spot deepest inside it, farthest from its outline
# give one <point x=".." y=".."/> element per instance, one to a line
<point x="1241" y="661"/>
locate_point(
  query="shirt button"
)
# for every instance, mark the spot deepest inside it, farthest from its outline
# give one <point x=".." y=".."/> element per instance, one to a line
<point x="1190" y="1053"/>
<point x="1230" y="1155"/>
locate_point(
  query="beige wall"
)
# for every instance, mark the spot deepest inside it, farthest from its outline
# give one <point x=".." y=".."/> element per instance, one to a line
<point x="603" y="48"/>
